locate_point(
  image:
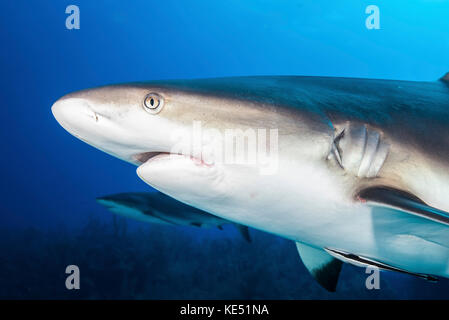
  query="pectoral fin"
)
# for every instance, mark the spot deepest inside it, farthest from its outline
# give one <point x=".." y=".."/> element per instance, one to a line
<point x="403" y="201"/>
<point x="244" y="231"/>
<point x="323" y="267"/>
<point x="160" y="217"/>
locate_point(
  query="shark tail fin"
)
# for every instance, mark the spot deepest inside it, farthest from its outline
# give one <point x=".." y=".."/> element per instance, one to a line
<point x="321" y="265"/>
<point x="244" y="231"/>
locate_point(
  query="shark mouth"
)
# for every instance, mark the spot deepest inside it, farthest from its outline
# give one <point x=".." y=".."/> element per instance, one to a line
<point x="146" y="156"/>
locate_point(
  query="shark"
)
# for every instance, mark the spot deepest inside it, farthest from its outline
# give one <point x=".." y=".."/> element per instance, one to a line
<point x="156" y="207"/>
<point x="359" y="168"/>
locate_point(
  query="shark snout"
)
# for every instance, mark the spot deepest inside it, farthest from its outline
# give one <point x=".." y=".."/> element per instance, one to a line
<point x="77" y="116"/>
<point x="70" y="112"/>
<point x="105" y="201"/>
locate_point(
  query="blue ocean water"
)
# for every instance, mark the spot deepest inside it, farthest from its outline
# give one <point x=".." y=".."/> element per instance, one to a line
<point x="49" y="217"/>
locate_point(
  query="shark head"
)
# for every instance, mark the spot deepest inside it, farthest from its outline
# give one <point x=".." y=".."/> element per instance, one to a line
<point x="127" y="204"/>
<point x="119" y="200"/>
<point x="122" y="120"/>
<point x="135" y="205"/>
<point x="196" y="140"/>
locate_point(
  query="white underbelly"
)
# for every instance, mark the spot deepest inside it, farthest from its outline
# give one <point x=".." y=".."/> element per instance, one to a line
<point x="308" y="208"/>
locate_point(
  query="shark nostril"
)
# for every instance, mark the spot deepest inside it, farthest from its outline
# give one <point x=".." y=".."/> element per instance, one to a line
<point x="89" y="111"/>
<point x="76" y="115"/>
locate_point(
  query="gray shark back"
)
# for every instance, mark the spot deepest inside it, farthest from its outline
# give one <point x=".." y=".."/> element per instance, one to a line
<point x="420" y="108"/>
<point x="407" y="112"/>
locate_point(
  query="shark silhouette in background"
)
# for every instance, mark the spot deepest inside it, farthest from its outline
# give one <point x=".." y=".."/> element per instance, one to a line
<point x="156" y="207"/>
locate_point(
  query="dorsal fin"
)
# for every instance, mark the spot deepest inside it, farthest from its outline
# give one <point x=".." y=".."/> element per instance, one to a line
<point x="321" y="265"/>
<point x="445" y="78"/>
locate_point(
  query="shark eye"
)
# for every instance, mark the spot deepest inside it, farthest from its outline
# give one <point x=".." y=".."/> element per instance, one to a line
<point x="153" y="103"/>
